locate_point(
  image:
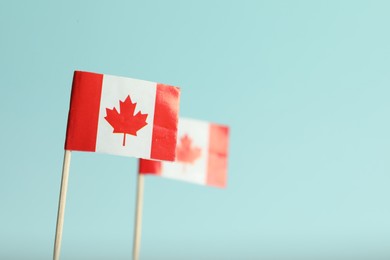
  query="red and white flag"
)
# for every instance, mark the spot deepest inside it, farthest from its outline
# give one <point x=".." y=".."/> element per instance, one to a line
<point x="122" y="116"/>
<point x="201" y="155"/>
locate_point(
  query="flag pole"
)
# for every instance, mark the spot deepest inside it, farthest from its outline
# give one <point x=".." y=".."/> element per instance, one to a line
<point x="61" y="205"/>
<point x="138" y="216"/>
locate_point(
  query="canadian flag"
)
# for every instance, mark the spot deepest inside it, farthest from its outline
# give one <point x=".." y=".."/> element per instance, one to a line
<point x="201" y="155"/>
<point x="122" y="116"/>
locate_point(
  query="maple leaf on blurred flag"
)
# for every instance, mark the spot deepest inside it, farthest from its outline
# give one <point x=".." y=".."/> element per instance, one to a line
<point x="201" y="155"/>
<point x="145" y="125"/>
<point x="185" y="152"/>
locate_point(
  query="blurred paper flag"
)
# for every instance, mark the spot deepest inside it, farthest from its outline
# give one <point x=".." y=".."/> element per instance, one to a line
<point x="122" y="116"/>
<point x="201" y="155"/>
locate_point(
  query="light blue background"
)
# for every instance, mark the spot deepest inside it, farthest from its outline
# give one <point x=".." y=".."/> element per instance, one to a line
<point x="304" y="85"/>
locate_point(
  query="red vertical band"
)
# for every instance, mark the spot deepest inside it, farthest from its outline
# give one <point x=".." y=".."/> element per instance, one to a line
<point x="165" y="123"/>
<point x="149" y="167"/>
<point x="218" y="154"/>
<point x="84" y="111"/>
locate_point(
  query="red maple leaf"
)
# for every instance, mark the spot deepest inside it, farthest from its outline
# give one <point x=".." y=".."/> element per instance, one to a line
<point x="185" y="152"/>
<point x="126" y="122"/>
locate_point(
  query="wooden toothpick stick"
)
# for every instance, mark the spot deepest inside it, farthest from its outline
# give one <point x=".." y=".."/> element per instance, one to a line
<point x="61" y="205"/>
<point x="138" y="217"/>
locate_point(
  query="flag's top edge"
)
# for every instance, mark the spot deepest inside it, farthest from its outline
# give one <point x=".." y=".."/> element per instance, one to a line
<point x="146" y="81"/>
